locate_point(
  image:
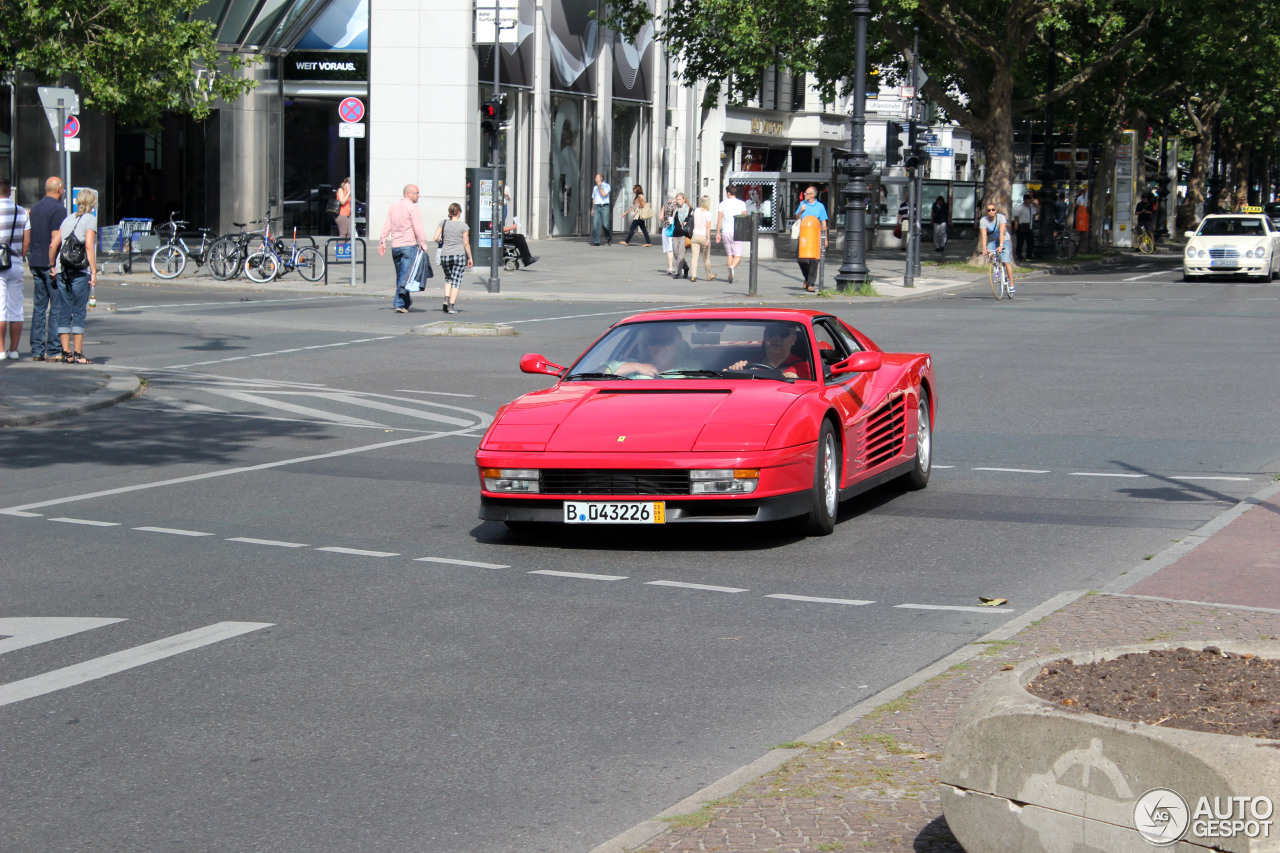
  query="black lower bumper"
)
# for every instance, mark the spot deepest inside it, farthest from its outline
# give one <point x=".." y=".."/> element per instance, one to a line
<point x="678" y="511"/>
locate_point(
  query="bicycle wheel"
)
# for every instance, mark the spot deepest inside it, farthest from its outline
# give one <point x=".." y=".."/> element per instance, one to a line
<point x="1146" y="243"/>
<point x="261" y="266"/>
<point x="1066" y="248"/>
<point x="168" y="262"/>
<point x="996" y="274"/>
<point x="224" y="259"/>
<point x="310" y="264"/>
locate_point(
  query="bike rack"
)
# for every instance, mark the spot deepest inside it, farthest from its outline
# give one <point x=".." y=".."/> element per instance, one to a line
<point x="331" y="257"/>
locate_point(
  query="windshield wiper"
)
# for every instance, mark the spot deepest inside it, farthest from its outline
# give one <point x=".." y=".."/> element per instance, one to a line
<point x="775" y="374"/>
<point x="596" y="376"/>
<point x="701" y="374"/>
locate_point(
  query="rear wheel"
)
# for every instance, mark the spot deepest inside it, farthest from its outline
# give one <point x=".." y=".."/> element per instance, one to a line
<point x="224" y="259"/>
<point x="168" y="262"/>
<point x="918" y="477"/>
<point x="821" y="519"/>
<point x="1146" y="243"/>
<point x="261" y="266"/>
<point x="310" y="264"/>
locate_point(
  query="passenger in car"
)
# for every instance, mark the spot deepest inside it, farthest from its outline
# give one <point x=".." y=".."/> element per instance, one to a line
<point x="664" y="347"/>
<point x="779" y="352"/>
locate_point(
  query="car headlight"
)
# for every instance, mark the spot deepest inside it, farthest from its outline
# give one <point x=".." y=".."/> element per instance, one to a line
<point x="723" y="481"/>
<point x="511" y="480"/>
<point x="1194" y="252"/>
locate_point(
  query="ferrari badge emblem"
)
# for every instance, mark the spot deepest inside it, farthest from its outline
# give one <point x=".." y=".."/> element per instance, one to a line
<point x="622" y="438"/>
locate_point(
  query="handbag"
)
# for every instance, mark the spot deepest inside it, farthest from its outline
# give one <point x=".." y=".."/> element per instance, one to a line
<point x="646" y="212"/>
<point x="440" y="242"/>
<point x="897" y="231"/>
<point x="795" y="229"/>
<point x="332" y="208"/>
<point x="6" y="250"/>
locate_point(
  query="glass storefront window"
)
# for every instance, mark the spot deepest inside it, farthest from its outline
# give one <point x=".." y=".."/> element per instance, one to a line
<point x="316" y="162"/>
<point x="629" y="132"/>
<point x="568" y="178"/>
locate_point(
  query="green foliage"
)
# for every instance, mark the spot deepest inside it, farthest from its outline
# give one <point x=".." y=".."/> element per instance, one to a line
<point x="133" y="58"/>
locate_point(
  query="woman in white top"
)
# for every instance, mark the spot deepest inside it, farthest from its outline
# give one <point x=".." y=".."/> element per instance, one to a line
<point x="701" y="238"/>
<point x="75" y="282"/>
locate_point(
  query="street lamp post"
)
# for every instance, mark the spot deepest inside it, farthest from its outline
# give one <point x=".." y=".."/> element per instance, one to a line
<point x="1048" y="194"/>
<point x="853" y="267"/>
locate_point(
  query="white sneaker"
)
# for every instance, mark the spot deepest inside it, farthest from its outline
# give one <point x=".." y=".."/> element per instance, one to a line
<point x="13" y="354"/>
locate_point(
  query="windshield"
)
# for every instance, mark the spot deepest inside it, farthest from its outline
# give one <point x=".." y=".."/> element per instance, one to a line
<point x="1233" y="226"/>
<point x="701" y="349"/>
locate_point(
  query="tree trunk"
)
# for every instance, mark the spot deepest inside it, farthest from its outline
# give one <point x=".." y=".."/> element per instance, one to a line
<point x="1240" y="196"/>
<point x="996" y="136"/>
<point x="1100" y="192"/>
<point x="1193" y="205"/>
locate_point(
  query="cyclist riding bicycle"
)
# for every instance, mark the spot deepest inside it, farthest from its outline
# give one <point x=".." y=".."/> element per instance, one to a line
<point x="1146" y="214"/>
<point x="993" y="238"/>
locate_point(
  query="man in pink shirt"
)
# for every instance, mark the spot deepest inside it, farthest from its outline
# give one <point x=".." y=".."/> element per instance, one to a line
<point x="404" y="228"/>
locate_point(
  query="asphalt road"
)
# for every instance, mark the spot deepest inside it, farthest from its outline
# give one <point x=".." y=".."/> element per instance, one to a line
<point x="391" y="674"/>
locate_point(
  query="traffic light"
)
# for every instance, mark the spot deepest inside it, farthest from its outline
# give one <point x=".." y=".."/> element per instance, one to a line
<point x="873" y="83"/>
<point x="893" y="144"/>
<point x="490" y="117"/>
<point x="911" y="157"/>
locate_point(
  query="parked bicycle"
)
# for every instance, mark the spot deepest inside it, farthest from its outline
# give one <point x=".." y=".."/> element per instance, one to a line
<point x="170" y="258"/>
<point x="227" y="254"/>
<point x="1065" y="246"/>
<point x="1146" y="243"/>
<point x="274" y="258"/>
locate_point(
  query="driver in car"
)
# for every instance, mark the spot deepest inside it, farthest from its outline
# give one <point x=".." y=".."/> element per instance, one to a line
<point x="665" y="348"/>
<point x="779" y="340"/>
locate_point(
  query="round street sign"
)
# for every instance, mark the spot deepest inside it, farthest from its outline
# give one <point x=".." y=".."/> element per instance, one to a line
<point x="72" y="128"/>
<point x="351" y="110"/>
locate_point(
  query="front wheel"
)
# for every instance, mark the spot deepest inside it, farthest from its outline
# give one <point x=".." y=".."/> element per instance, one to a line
<point x="1146" y="243"/>
<point x="997" y="274"/>
<point x="168" y="262"/>
<point x="261" y="266"/>
<point x="821" y="519"/>
<point x="224" y="259"/>
<point x="1066" y="248"/>
<point x="918" y="477"/>
<point x="310" y="264"/>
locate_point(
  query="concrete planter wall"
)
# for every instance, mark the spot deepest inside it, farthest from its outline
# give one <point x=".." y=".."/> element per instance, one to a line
<point x="1022" y="774"/>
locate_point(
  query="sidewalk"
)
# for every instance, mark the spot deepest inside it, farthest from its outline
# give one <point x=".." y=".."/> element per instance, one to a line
<point x="868" y="780"/>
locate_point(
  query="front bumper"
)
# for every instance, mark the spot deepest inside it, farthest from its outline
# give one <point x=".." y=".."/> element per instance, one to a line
<point x="679" y="510"/>
<point x="1250" y="266"/>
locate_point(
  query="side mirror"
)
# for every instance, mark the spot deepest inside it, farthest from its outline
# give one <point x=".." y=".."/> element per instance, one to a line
<point x="859" y="362"/>
<point x="1188" y="234"/>
<point x="531" y="362"/>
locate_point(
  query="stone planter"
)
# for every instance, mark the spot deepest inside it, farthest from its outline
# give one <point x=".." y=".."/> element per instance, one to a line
<point x="1022" y="774"/>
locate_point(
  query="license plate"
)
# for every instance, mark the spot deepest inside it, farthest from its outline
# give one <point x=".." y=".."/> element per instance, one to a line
<point x="1224" y="262"/>
<point x="615" y="512"/>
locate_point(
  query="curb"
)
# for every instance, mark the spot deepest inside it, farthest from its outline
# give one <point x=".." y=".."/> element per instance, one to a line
<point x="645" y="831"/>
<point x="117" y="390"/>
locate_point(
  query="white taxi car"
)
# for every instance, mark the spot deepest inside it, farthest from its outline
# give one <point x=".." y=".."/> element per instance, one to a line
<point x="1232" y="244"/>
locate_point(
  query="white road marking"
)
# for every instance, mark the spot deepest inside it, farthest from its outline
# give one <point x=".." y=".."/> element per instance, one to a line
<point x="600" y="314"/>
<point x="24" y="510"/>
<point x="278" y="544"/>
<point x="437" y="393"/>
<point x="90" y="522"/>
<point x="471" y="563"/>
<point x="367" y="401"/>
<point x="229" y="304"/>
<point x="1147" y="275"/>
<point x="582" y="575"/>
<point x="22" y="631"/>
<point x="1104" y="474"/>
<point x="80" y="673"/>
<point x="1213" y="479"/>
<point x="944" y="466"/>
<point x="1014" y="470"/>
<point x="357" y="552"/>
<point x="319" y="414"/>
<point x="853" y="601"/>
<point x="703" y="586"/>
<point x="172" y="531"/>
<point x="275" y="352"/>
<point x="961" y="608"/>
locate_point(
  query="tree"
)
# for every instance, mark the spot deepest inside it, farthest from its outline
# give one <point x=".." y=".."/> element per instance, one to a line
<point x="135" y="59"/>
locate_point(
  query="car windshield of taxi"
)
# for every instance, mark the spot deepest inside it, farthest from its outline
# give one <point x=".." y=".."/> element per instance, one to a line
<point x="778" y="350"/>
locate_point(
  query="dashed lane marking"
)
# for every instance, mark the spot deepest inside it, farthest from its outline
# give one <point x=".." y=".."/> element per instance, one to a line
<point x="702" y="586"/>
<point x="961" y="608"/>
<point x="1105" y="474"/>
<point x="1211" y="479"/>
<point x="172" y="531"/>
<point x="812" y="599"/>
<point x="87" y="521"/>
<point x="275" y="352"/>
<point x="357" y="552"/>
<point x="272" y="542"/>
<point x="472" y="563"/>
<point x="1014" y="470"/>
<point x="580" y="575"/>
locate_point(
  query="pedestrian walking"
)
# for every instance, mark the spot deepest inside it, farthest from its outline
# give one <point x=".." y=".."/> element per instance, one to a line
<point x="343" y="219"/>
<point x="46" y="218"/>
<point x="810" y="206"/>
<point x="729" y="208"/>
<point x="79" y="235"/>
<point x="682" y="228"/>
<point x="668" y="241"/>
<point x="701" y="238"/>
<point x="640" y="212"/>
<point x="940" y="216"/>
<point x="1023" y="216"/>
<point x="408" y="236"/>
<point x="455" y="255"/>
<point x="601" y="227"/>
<point x="15" y="235"/>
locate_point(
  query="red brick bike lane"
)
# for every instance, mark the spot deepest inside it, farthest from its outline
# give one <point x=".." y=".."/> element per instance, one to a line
<point x="1239" y="564"/>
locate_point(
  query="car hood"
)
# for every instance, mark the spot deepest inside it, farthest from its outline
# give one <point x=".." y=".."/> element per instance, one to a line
<point x="658" y="417"/>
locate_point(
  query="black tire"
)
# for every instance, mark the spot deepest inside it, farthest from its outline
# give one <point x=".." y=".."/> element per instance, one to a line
<point x="310" y="264"/>
<point x="168" y="262"/>
<point x="918" y="477"/>
<point x="825" y="497"/>
<point x="512" y="265"/>
<point x="224" y="259"/>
